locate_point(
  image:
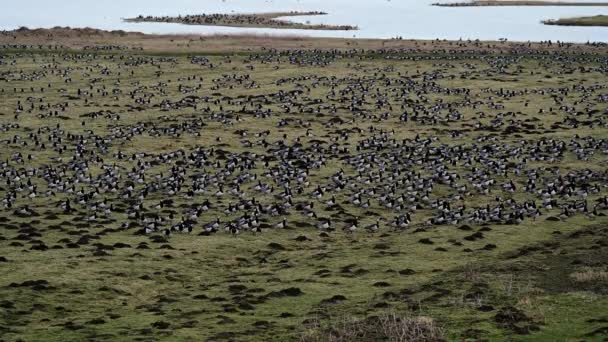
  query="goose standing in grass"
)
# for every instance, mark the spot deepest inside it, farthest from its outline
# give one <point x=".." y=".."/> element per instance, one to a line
<point x="212" y="226"/>
<point x="324" y="224"/>
<point x="352" y="226"/>
<point x="282" y="224"/>
<point x="374" y="227"/>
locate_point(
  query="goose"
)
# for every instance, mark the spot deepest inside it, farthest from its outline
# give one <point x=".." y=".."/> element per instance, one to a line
<point x="25" y="211"/>
<point x="351" y="227"/>
<point x="150" y="229"/>
<point x="282" y="224"/>
<point x="212" y="226"/>
<point x="372" y="228"/>
<point x="324" y="224"/>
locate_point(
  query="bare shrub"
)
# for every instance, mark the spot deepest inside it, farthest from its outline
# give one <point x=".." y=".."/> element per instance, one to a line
<point x="421" y="328"/>
<point x="472" y="273"/>
<point x="589" y="276"/>
<point x="507" y="285"/>
<point x="388" y="327"/>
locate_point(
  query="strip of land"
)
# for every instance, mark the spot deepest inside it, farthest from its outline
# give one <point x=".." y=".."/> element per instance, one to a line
<point x="598" y="20"/>
<point x="482" y="3"/>
<point x="78" y="39"/>
<point x="260" y="20"/>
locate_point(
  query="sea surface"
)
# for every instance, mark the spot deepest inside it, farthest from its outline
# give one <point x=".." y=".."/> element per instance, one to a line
<point x="410" y="19"/>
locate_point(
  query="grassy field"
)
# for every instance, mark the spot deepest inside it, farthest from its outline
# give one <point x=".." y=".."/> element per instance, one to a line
<point x="597" y="20"/>
<point x="126" y="130"/>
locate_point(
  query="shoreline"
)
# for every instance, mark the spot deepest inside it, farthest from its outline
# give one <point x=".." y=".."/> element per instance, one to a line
<point x="82" y="39"/>
<point x="493" y="3"/>
<point x="595" y="21"/>
<point x="252" y="20"/>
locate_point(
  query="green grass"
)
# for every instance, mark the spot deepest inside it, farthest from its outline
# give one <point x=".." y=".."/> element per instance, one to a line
<point x="130" y="289"/>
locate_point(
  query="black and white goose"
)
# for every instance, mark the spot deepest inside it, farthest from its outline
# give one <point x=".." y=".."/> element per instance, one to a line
<point x="351" y="227"/>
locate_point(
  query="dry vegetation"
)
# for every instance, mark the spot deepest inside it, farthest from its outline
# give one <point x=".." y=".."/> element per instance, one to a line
<point x="598" y="20"/>
<point x="591" y="276"/>
<point x="387" y="327"/>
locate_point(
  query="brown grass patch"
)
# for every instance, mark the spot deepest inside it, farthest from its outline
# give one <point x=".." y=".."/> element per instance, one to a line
<point x="388" y="327"/>
<point x="589" y="276"/>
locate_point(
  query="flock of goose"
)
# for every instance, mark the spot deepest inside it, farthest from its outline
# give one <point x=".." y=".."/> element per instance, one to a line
<point x="346" y="141"/>
<point x="268" y="20"/>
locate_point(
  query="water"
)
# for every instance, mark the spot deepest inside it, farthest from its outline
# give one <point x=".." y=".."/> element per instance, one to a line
<point x="411" y="19"/>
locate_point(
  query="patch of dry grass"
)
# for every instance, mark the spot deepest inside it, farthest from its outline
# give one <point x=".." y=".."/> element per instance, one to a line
<point x="390" y="327"/>
<point x="588" y="276"/>
<point x="598" y="20"/>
